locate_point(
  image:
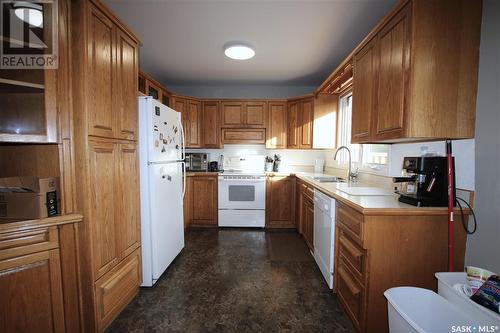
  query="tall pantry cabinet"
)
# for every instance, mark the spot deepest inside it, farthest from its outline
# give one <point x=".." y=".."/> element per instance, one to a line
<point x="105" y="74"/>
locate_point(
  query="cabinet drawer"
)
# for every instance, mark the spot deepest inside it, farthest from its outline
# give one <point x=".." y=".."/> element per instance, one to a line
<point x="352" y="254"/>
<point x="307" y="191"/>
<point x="244" y="136"/>
<point x="351" y="294"/>
<point x="19" y="243"/>
<point x="116" y="288"/>
<point x="351" y="221"/>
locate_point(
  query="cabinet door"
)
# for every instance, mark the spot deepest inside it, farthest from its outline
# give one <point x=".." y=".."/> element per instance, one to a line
<point x="204" y="191"/>
<point x="193" y="123"/>
<point x="31" y="293"/>
<point x="276" y="125"/>
<point x="211" y="125"/>
<point x="308" y="221"/>
<point x="128" y="218"/>
<point x="165" y="97"/>
<point x="392" y="76"/>
<point x="294" y="125"/>
<point x="126" y="83"/>
<point x="306" y="127"/>
<point x="104" y="192"/>
<point x="180" y="105"/>
<point x="101" y="83"/>
<point x="280" y="193"/>
<point x="188" y="201"/>
<point x="255" y="114"/>
<point x="233" y="114"/>
<point x="363" y="92"/>
<point x="153" y="90"/>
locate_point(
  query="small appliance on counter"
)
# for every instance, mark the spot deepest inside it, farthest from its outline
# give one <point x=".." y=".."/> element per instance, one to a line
<point x="213" y="166"/>
<point x="196" y="162"/>
<point x="424" y="182"/>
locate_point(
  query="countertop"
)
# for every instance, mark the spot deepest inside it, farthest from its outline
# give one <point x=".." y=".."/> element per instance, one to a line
<point x="365" y="204"/>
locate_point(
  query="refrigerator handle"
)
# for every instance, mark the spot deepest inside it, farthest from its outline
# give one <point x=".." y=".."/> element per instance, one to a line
<point x="183" y="147"/>
<point x="183" y="179"/>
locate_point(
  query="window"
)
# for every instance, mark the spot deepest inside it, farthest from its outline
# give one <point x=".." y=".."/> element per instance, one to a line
<point x="371" y="158"/>
<point x="344" y="131"/>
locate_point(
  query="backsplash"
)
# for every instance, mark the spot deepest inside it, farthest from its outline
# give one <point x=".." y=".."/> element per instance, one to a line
<point x="303" y="160"/>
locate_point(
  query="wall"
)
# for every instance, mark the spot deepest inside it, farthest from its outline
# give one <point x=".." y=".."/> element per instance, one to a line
<point x="483" y="248"/>
<point x="241" y="91"/>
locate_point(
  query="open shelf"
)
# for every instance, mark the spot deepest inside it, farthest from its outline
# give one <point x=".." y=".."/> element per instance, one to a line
<point x="9" y="225"/>
<point x="22" y="83"/>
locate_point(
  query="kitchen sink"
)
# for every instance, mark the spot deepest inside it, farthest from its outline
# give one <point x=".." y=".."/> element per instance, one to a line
<point x="327" y="179"/>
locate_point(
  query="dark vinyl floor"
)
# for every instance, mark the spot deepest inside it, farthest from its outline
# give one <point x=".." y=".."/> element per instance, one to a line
<point x="236" y="280"/>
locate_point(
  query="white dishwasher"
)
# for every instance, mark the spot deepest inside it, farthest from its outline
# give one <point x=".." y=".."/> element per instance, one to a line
<point x="324" y="232"/>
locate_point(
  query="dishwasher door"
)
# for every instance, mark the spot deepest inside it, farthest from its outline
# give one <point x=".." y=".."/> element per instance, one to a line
<point x="324" y="231"/>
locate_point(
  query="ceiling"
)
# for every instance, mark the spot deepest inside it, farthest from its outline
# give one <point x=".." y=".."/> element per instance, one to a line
<point x="297" y="42"/>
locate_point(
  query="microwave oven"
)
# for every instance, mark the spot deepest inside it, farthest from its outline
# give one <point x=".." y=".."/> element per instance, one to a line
<point x="196" y="162"/>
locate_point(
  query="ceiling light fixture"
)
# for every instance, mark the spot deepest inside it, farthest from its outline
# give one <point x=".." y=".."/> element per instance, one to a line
<point x="29" y="12"/>
<point x="239" y="52"/>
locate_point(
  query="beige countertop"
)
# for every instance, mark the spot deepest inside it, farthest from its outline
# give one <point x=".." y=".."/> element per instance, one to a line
<point x="366" y="204"/>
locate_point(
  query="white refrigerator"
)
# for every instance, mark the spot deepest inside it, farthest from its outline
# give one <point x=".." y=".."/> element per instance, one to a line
<point x="161" y="155"/>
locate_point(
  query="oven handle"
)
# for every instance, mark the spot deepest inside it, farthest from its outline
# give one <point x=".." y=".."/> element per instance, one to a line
<point x="243" y="180"/>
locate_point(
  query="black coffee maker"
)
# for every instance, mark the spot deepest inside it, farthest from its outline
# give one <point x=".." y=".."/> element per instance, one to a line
<point x="425" y="181"/>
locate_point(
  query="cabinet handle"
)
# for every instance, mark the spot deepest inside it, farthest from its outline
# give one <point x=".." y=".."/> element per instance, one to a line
<point x="352" y="288"/>
<point x="351" y="249"/>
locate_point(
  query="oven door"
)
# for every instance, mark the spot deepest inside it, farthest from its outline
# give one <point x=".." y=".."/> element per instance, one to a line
<point x="242" y="193"/>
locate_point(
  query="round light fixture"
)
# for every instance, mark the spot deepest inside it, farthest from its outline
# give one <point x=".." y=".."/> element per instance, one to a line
<point x="29" y="12"/>
<point x="239" y="52"/>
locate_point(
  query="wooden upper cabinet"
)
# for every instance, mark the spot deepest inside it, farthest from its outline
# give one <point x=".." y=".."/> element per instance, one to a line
<point x="153" y="90"/>
<point x="32" y="293"/>
<point x="293" y="125"/>
<point x="104" y="187"/>
<point x="204" y="200"/>
<point x="193" y="124"/>
<point x="416" y="77"/>
<point x="392" y="79"/>
<point x="300" y="123"/>
<point x="255" y="114"/>
<point x="276" y="125"/>
<point x="280" y="193"/>
<point x="101" y="67"/>
<point x="179" y="104"/>
<point x="126" y="93"/>
<point x="243" y="114"/>
<point x="233" y="113"/>
<point x="166" y="97"/>
<point x="363" y="92"/>
<point x="210" y="127"/>
<point x="306" y="127"/>
<point x="127" y="205"/>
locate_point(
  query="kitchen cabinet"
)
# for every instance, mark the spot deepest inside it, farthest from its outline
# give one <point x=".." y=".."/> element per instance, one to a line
<point x="244" y="136"/>
<point x="305" y="213"/>
<point x="374" y="251"/>
<point x="300" y="123"/>
<point x="150" y="87"/>
<point x="201" y="200"/>
<point x="410" y="69"/>
<point x="36" y="265"/>
<point x="210" y="126"/>
<point x="280" y="200"/>
<point x="193" y="125"/>
<point x="277" y="125"/>
<point x="243" y="114"/>
<point x="105" y="83"/>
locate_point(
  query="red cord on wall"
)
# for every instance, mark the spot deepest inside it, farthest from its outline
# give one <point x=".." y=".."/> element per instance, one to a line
<point x="451" y="198"/>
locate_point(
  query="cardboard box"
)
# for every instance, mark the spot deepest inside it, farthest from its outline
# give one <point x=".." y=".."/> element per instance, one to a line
<point x="29" y="197"/>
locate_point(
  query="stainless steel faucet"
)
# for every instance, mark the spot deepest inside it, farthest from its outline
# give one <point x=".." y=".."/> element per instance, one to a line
<point x="350" y="175"/>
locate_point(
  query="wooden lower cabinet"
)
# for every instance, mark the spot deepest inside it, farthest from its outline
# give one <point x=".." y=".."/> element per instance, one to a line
<point x="117" y="288"/>
<point x="38" y="279"/>
<point x="200" y="201"/>
<point x="376" y="252"/>
<point x="305" y="212"/>
<point x="280" y="200"/>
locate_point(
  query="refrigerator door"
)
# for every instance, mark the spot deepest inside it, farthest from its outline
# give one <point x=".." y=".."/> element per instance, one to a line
<point x="167" y="223"/>
<point x="165" y="139"/>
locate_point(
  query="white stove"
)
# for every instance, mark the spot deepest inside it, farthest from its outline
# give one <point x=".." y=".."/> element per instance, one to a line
<point x="242" y="198"/>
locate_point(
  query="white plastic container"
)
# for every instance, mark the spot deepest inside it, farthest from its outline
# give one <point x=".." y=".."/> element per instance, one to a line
<point x="420" y="310"/>
<point x="480" y="314"/>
